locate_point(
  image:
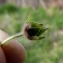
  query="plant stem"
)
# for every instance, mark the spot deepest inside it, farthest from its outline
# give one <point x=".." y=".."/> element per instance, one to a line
<point x="11" y="37"/>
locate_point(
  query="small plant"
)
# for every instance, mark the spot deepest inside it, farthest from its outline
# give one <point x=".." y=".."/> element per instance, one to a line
<point x="31" y="30"/>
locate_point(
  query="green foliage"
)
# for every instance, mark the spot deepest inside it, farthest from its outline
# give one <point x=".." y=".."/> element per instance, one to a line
<point x="48" y="50"/>
<point x="8" y="8"/>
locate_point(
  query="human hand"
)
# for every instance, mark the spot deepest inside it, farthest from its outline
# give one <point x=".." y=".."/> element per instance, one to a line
<point x="12" y="51"/>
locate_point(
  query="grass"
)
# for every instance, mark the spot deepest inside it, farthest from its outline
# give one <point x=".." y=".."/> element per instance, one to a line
<point x="48" y="50"/>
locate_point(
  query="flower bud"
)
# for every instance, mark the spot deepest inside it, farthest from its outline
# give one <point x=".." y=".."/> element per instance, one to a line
<point x="33" y="30"/>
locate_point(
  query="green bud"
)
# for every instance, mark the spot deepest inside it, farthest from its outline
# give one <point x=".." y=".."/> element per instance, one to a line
<point x="33" y="30"/>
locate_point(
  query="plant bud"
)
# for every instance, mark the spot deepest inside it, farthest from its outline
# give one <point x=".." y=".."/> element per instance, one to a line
<point x="33" y="30"/>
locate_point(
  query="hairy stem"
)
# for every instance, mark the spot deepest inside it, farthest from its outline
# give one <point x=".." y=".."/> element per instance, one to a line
<point x="11" y="37"/>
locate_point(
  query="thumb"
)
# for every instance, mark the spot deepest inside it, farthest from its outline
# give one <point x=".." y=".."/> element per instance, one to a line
<point x="13" y="50"/>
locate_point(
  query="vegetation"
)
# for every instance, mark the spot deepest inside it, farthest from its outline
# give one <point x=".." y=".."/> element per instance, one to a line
<point x="48" y="50"/>
<point x="8" y="8"/>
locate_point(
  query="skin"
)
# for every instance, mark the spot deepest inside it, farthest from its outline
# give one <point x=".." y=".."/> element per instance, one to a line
<point x="12" y="51"/>
<point x="2" y="56"/>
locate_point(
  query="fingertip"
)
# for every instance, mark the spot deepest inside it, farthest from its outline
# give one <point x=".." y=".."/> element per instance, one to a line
<point x="13" y="50"/>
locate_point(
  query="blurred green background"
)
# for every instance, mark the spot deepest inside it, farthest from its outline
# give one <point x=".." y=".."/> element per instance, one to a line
<point x="48" y="50"/>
